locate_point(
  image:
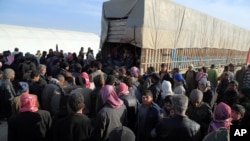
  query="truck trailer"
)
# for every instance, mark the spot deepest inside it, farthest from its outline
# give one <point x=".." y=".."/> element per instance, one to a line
<point x="162" y="31"/>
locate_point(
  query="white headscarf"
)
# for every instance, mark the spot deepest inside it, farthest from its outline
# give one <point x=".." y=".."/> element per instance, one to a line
<point x="166" y="88"/>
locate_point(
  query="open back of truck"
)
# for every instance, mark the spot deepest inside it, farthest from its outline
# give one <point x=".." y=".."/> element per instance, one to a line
<point x="162" y="31"/>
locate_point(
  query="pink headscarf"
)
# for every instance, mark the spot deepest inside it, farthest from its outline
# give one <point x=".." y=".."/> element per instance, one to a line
<point x="109" y="95"/>
<point x="122" y="89"/>
<point x="28" y="103"/>
<point x="135" y="71"/>
<point x="86" y="77"/>
<point x="10" y="60"/>
<point x="222" y="117"/>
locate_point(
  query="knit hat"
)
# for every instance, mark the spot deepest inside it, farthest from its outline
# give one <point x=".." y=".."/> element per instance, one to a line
<point x="196" y="95"/>
<point x="178" y="77"/>
<point x="23" y="87"/>
<point x="28" y="103"/>
<point x="8" y="73"/>
<point x="121" y="133"/>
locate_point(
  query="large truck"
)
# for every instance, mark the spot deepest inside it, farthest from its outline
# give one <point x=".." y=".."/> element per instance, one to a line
<point x="161" y="31"/>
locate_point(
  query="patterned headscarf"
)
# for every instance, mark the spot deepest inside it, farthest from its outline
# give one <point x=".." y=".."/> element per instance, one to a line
<point x="222" y="117"/>
<point x="109" y="96"/>
<point x="28" y="103"/>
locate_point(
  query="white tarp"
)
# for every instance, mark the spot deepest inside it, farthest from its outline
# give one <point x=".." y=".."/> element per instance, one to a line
<point x="29" y="39"/>
<point x="164" y="24"/>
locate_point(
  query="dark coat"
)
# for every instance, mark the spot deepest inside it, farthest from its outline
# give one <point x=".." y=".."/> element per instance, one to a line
<point x="7" y="94"/>
<point x="177" y="128"/>
<point x="29" y="126"/>
<point x="132" y="105"/>
<point x="202" y="115"/>
<point x="108" y="119"/>
<point x="75" y="127"/>
<point x="150" y="120"/>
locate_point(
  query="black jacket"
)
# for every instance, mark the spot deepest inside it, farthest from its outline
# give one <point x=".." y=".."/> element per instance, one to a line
<point x="177" y="128"/>
<point x="75" y="127"/>
<point x="29" y="126"/>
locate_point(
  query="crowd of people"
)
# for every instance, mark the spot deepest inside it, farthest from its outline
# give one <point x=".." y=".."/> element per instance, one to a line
<point x="59" y="96"/>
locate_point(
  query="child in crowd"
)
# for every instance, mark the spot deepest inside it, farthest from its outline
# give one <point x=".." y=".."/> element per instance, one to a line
<point x="167" y="109"/>
<point x="238" y="112"/>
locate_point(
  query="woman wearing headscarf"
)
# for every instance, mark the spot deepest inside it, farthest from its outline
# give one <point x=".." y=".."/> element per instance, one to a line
<point x="30" y="124"/>
<point x="199" y="111"/>
<point x="23" y="88"/>
<point x="113" y="113"/>
<point x="204" y="87"/>
<point x="166" y="88"/>
<point x="137" y="81"/>
<point x="222" y="117"/>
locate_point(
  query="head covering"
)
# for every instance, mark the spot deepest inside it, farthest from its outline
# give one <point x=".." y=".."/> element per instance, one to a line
<point x="222" y="117"/>
<point x="23" y="87"/>
<point x="28" y="103"/>
<point x="10" y="60"/>
<point x="109" y="95"/>
<point x="135" y="71"/>
<point x="122" y="89"/>
<point x="166" y="89"/>
<point x="196" y="95"/>
<point x="204" y="82"/>
<point x="8" y="73"/>
<point x="1" y="64"/>
<point x="86" y="77"/>
<point x="121" y="133"/>
<point x="178" y="77"/>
